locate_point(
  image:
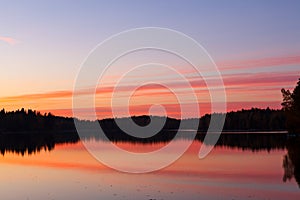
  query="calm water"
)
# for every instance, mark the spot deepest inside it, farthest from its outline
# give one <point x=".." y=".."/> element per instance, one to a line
<point x="69" y="172"/>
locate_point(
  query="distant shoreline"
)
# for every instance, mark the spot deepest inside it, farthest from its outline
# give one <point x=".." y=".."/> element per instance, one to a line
<point x="251" y="120"/>
<point x="170" y="130"/>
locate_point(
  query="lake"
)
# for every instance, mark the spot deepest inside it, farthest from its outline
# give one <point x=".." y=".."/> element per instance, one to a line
<point x="259" y="167"/>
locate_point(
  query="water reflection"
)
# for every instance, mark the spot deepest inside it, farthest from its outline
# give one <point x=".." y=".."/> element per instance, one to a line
<point x="291" y="161"/>
<point x="31" y="143"/>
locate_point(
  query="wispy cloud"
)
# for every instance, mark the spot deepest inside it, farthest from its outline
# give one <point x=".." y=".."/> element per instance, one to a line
<point x="262" y="62"/>
<point x="9" y="40"/>
<point x="241" y="82"/>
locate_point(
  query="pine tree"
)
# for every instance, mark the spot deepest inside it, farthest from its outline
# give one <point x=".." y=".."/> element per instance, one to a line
<point x="291" y="106"/>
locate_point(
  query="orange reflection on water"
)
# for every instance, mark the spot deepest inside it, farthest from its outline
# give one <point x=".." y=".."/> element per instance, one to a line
<point x="221" y="161"/>
<point x="64" y="156"/>
<point x="70" y="171"/>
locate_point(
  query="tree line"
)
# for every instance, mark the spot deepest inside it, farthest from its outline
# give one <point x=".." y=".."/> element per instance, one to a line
<point x="254" y="119"/>
<point x="30" y="120"/>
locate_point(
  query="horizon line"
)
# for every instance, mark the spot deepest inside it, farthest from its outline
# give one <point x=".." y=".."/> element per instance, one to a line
<point x="131" y="116"/>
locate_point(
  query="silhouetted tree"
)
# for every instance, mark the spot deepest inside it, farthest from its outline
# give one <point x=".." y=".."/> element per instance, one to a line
<point x="254" y="119"/>
<point x="291" y="106"/>
<point x="27" y="121"/>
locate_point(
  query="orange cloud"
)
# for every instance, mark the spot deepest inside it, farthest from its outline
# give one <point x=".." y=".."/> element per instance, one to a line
<point x="56" y="94"/>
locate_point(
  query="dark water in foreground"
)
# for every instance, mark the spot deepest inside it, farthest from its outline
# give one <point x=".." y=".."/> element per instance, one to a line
<point x="247" y="166"/>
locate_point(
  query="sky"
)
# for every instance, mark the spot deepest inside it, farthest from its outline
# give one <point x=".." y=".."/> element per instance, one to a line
<point x="255" y="45"/>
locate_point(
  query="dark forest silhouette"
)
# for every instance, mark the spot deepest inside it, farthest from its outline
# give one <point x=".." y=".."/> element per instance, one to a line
<point x="291" y="106"/>
<point x="29" y="131"/>
<point x="244" y="120"/>
<point x="29" y="120"/>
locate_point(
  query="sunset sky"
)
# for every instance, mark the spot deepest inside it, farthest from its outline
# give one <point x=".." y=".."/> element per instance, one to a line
<point x="255" y="45"/>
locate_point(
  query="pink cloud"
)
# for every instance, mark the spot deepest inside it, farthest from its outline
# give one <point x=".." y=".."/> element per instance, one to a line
<point x="261" y="79"/>
<point x="262" y="62"/>
<point x="249" y="64"/>
<point x="9" y="40"/>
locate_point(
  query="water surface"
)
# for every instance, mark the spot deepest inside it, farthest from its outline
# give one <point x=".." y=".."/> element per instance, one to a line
<point x="68" y="171"/>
